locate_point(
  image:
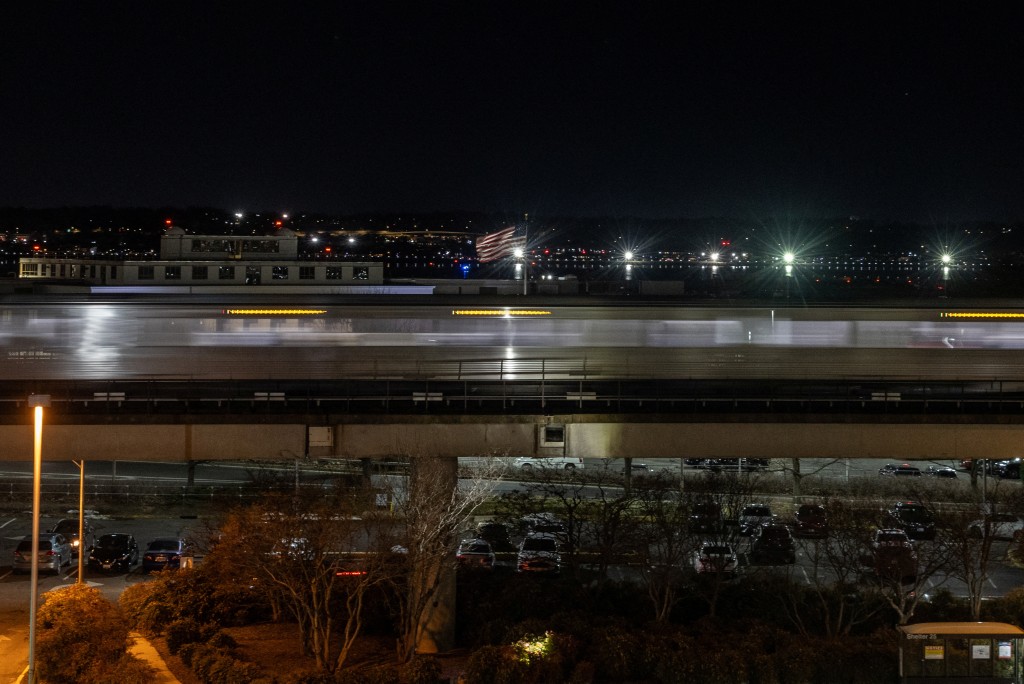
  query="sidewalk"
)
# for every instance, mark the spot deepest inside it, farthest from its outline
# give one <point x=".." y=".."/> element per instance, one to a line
<point x="143" y="650"/>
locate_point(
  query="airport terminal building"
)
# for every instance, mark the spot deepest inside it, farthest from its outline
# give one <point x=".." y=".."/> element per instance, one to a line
<point x="210" y="260"/>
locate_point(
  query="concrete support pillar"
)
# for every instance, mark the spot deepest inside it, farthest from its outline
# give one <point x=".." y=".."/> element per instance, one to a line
<point x="432" y="486"/>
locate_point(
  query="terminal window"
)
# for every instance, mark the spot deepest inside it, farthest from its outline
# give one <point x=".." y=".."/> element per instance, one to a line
<point x="279" y="273"/>
<point x="334" y="272"/>
<point x="199" y="273"/>
<point x="146" y="272"/>
<point x="307" y="273"/>
<point x="226" y="273"/>
<point x="360" y="273"/>
<point x="172" y="272"/>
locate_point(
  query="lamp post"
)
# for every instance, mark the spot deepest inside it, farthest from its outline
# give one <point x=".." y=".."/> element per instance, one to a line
<point x="81" y="520"/>
<point x="38" y="402"/>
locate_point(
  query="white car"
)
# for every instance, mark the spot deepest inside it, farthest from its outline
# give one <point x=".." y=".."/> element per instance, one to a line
<point x="1000" y="526"/>
<point x="556" y="462"/>
<point x="715" y="558"/>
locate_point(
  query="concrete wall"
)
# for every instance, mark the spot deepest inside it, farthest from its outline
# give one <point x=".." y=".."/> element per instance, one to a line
<point x="155" y="442"/>
<point x="609" y="438"/>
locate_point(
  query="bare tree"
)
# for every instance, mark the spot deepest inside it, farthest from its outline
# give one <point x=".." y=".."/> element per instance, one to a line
<point x="663" y="542"/>
<point x="436" y="507"/>
<point x="836" y="605"/>
<point x="314" y="556"/>
<point x="969" y="536"/>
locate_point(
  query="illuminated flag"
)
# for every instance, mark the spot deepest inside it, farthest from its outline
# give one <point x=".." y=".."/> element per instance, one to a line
<point x="494" y="246"/>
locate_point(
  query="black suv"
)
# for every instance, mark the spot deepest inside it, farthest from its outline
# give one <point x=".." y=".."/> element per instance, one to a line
<point x="913" y="518"/>
<point x="706" y="517"/>
<point x="772" y="543"/>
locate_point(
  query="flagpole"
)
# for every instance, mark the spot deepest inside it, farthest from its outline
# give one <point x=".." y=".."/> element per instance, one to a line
<point x="526" y="258"/>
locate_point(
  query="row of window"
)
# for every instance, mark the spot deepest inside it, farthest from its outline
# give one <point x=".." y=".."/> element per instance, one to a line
<point x="252" y="273"/>
<point x="67" y="270"/>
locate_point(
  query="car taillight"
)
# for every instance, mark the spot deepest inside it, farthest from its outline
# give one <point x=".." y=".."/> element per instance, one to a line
<point x="50" y="553"/>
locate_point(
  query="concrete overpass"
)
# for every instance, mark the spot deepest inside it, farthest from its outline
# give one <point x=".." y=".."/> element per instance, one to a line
<point x="653" y="436"/>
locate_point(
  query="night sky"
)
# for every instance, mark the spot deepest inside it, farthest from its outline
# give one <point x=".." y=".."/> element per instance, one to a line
<point x="895" y="111"/>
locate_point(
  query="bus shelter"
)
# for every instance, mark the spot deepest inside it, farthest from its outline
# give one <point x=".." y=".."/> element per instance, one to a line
<point x="961" y="653"/>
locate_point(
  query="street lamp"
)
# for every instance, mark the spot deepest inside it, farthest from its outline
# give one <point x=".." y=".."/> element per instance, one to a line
<point x="38" y="402"/>
<point x="81" y="520"/>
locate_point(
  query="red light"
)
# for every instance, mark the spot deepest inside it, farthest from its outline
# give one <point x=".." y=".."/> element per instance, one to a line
<point x="349" y="573"/>
<point x="35" y="248"/>
<point x="167" y="222"/>
<point x="726" y="243"/>
<point x="278" y="223"/>
<point x="547" y="252"/>
<point x="583" y="251"/>
<point x="327" y="249"/>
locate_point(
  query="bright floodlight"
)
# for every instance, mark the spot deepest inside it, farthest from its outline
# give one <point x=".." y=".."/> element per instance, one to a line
<point x="628" y="256"/>
<point x="239" y="214"/>
<point x="714" y="256"/>
<point x="946" y="258"/>
<point x="788" y="257"/>
<point x="518" y="252"/>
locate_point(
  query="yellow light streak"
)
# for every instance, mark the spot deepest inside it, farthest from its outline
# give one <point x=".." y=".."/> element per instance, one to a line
<point x="275" y="312"/>
<point x="500" y="312"/>
<point x="980" y="314"/>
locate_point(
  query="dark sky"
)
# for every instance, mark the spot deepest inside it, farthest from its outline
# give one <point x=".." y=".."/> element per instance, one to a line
<point x="898" y="111"/>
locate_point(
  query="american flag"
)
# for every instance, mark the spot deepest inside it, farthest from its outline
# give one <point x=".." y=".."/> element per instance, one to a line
<point x="503" y="243"/>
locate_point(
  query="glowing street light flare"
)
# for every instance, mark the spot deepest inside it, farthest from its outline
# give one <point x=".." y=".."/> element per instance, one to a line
<point x="788" y="257"/>
<point x="628" y="256"/>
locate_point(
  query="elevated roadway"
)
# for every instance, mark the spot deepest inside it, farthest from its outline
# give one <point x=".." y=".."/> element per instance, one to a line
<point x="201" y="378"/>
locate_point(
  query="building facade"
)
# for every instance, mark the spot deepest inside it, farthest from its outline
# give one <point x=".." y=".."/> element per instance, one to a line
<point x="197" y="260"/>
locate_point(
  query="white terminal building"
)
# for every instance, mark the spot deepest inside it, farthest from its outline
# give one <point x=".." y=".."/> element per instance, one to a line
<point x="192" y="261"/>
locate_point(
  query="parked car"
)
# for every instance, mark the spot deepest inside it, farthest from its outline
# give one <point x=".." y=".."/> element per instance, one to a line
<point x="892" y="556"/>
<point x="772" y="543"/>
<point x="706" y="517"/>
<point x="542" y="523"/>
<point x="940" y="471"/>
<point x="538" y="553"/>
<point x="900" y="470"/>
<point x="476" y="554"/>
<point x="753" y="516"/>
<point x="163" y="554"/>
<point x="1007" y="470"/>
<point x="715" y="558"/>
<point x="635" y="469"/>
<point x="998" y="526"/>
<point x="913" y="518"/>
<point x="495" y="534"/>
<point x="554" y="462"/>
<point x="54" y="552"/>
<point x="69" y="528"/>
<point x="115" y="552"/>
<point x="811" y="521"/>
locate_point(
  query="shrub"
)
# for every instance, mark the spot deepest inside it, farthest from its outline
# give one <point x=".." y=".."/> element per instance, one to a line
<point x="494" y="665"/>
<point x="181" y="632"/>
<point x="387" y="673"/>
<point x="77" y="627"/>
<point x="421" y="670"/>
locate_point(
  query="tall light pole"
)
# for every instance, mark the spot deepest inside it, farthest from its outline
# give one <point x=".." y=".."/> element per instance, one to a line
<point x="38" y="402"/>
<point x="81" y="520"/>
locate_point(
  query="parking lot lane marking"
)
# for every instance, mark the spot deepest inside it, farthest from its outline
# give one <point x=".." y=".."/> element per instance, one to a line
<point x="991" y="582"/>
<point x="6" y="575"/>
<point x="7" y="523"/>
<point x="806" y="577"/>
